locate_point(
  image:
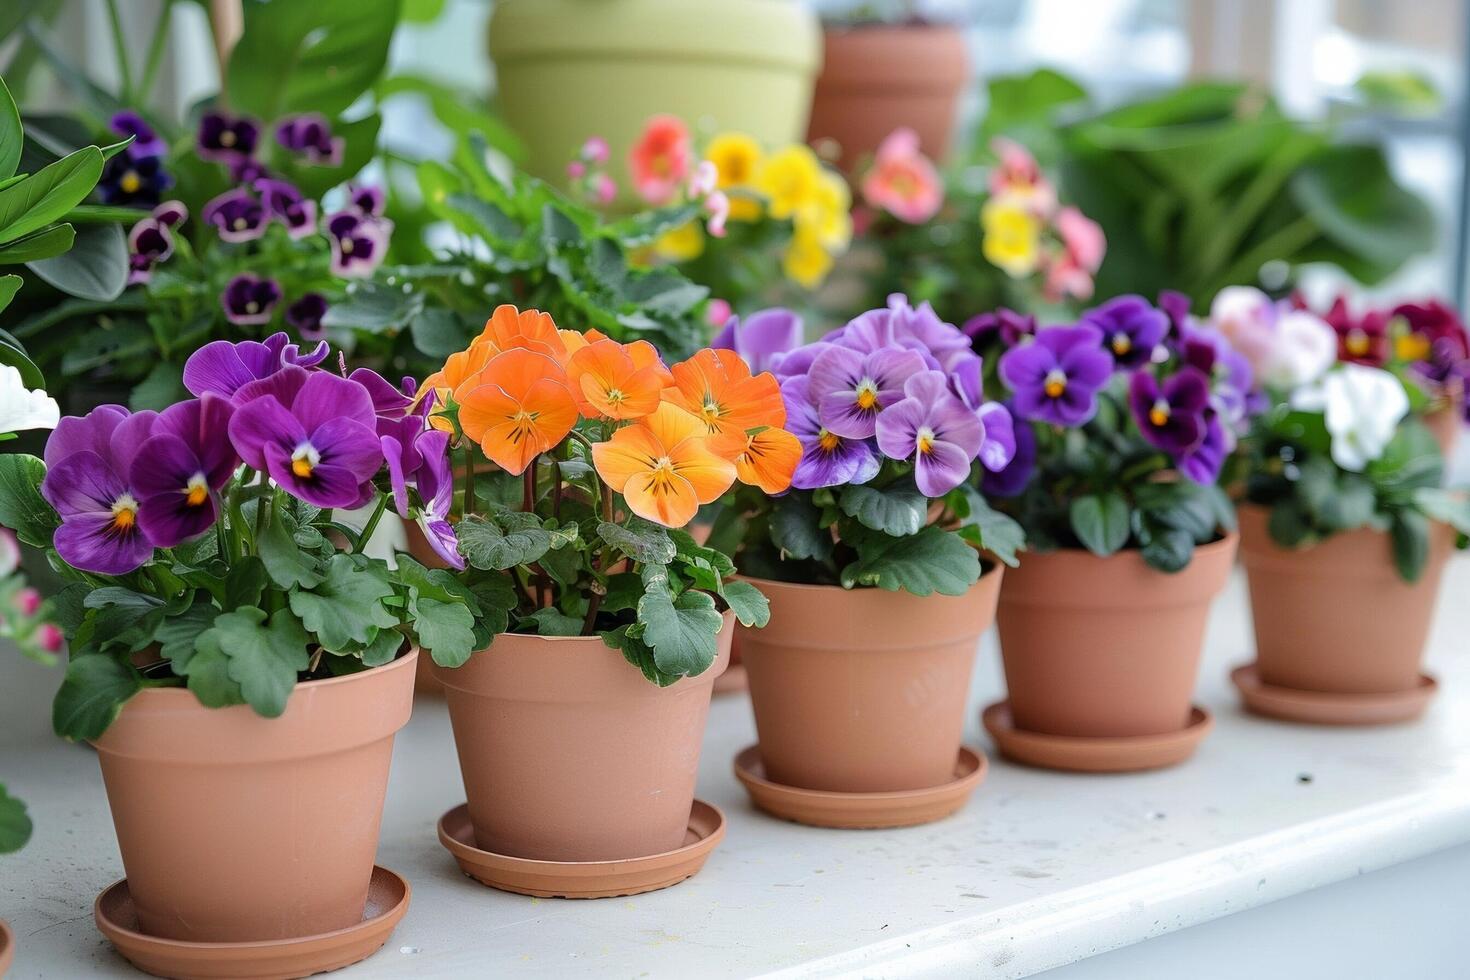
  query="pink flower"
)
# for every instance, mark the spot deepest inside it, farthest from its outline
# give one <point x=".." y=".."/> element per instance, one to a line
<point x="1069" y="271"/>
<point x="49" y="637"/>
<point x="604" y="188"/>
<point x="903" y="181"/>
<point x="27" y="601"/>
<point x="1017" y="174"/>
<point x="660" y="160"/>
<point x="717" y="312"/>
<point x="704" y="179"/>
<point x="576" y="169"/>
<point x="9" y="551"/>
<point x="718" y="206"/>
<point x="595" y="150"/>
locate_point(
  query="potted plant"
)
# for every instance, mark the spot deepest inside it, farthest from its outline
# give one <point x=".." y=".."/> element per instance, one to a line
<point x="1126" y="418"/>
<point x="872" y="567"/>
<point x="882" y="72"/>
<point x="238" y="662"/>
<point x="746" y="66"/>
<point x="1345" y="528"/>
<point x="579" y="706"/>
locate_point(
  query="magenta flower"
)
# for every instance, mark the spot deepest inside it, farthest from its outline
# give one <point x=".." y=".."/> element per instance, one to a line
<point x="305" y="316"/>
<point x="226" y="138"/>
<point x="1131" y="328"/>
<point x="390" y="404"/>
<point x="762" y="338"/>
<point x="180" y="469"/>
<point x="827" y="459"/>
<point x="850" y="389"/>
<point x="286" y="204"/>
<point x="1057" y="376"/>
<point x="359" y="242"/>
<point x="249" y="299"/>
<point x="310" y="136"/>
<point x="247" y="170"/>
<point x="315" y="435"/>
<point x="237" y="215"/>
<point x="934" y="429"/>
<point x="421" y="457"/>
<point x="224" y="368"/>
<point x="1171" y="417"/>
<point x="87" y="467"/>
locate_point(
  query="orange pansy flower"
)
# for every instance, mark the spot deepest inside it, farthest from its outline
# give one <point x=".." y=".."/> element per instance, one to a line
<point x="458" y="368"/>
<point x="509" y="329"/>
<point x="518" y="407"/>
<point x="663" y="466"/>
<point x="608" y="382"/>
<point x="769" y="459"/>
<point x="717" y="387"/>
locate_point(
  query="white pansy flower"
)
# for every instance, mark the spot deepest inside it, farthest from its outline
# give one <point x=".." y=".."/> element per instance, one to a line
<point x="1247" y="318"/>
<point x="1362" y="407"/>
<point x="21" y="408"/>
<point x="1301" y="352"/>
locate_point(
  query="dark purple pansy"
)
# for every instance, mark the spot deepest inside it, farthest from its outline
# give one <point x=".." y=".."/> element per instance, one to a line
<point x="88" y="459"/>
<point x="366" y="198"/>
<point x="171" y="214"/>
<point x="1057" y="376"/>
<point x="237" y="214"/>
<point x="1203" y="463"/>
<point x="761" y="339"/>
<point x="1011" y="479"/>
<point x="827" y="459"/>
<point x="224" y="368"/>
<point x="1175" y="305"/>
<point x="310" y="136"/>
<point x="1171" y="416"/>
<point x="1006" y="327"/>
<point x="146" y="141"/>
<point x="284" y="202"/>
<point x="1131" y="328"/>
<point x="934" y="429"/>
<point x="359" y="242"/>
<point x="179" y="470"/>
<point x="305" y="316"/>
<point x="315" y="434"/>
<point x="226" y="138"/>
<point x="249" y="299"/>
<point x="247" y="170"/>
<point x="149" y="242"/>
<point x="130" y="179"/>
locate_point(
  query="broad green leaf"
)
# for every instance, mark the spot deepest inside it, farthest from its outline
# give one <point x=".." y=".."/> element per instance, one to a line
<point x="681" y="630"/>
<point x="988" y="529"/>
<point x="14" y="355"/>
<point x="11" y="136"/>
<point x="95" y="689"/>
<point x="43" y="197"/>
<point x="9" y="286"/>
<point x="207" y="670"/>
<point x="160" y="388"/>
<point x="1169" y="549"/>
<point x="176" y="634"/>
<point x="444" y="629"/>
<point x="346" y="605"/>
<point x="551" y="621"/>
<point x="15" y="824"/>
<point x="264" y="658"/>
<point x="1450" y="507"/>
<point x="640" y="655"/>
<point x="289" y="566"/>
<point x="897" y="510"/>
<point x="934" y="560"/>
<point x="1409" y="533"/>
<point x="22" y="508"/>
<point x="44" y="244"/>
<point x="383" y="650"/>
<point x="796" y="528"/>
<point x="245" y="582"/>
<point x="95" y="267"/>
<point x="438" y="333"/>
<point x="508" y="539"/>
<point x="1100" y="522"/>
<point x="748" y="603"/>
<point x="643" y="541"/>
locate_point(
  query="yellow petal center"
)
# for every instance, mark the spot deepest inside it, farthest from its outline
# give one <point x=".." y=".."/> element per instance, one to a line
<point x="828" y="441"/>
<point x="1356" y="342"/>
<point x="925" y="442"/>
<point x="304" y="461"/>
<point x="130" y="182"/>
<point x="1056" y="383"/>
<point x="124" y="512"/>
<point x="1122" y="344"/>
<point x="198" y="491"/>
<point x="1159" y="414"/>
<point x="867" y="396"/>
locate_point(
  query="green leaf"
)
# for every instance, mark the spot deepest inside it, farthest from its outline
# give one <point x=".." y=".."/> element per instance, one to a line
<point x="374" y="308"/>
<point x="35" y="202"/>
<point x="264" y="658"/>
<point x="245" y="582"/>
<point x="897" y="510"/>
<point x="1450" y="507"/>
<point x="796" y="528"/>
<point x="437" y="333"/>
<point x="95" y="689"/>
<point x="176" y="634"/>
<point x="9" y="286"/>
<point x="641" y="540"/>
<point x="289" y="566"/>
<point x="207" y="670"/>
<point x="681" y="630"/>
<point x="15" y="825"/>
<point x="988" y="529"/>
<point x="445" y="630"/>
<point x="934" y="560"/>
<point x="551" y="621"/>
<point x="346" y="606"/>
<point x="160" y="388"/>
<point x="1169" y="549"/>
<point x="1100" y="522"/>
<point x="95" y="267"/>
<point x="43" y="244"/>
<point x="22" y="508"/>
<point x="508" y="539"/>
<point x="12" y="137"/>
<point x="383" y="650"/>
<point x="640" y="655"/>
<point x="748" y="603"/>
<point x="1409" y="533"/>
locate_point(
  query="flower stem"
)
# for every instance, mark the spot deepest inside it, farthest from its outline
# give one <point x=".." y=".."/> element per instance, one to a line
<point x="120" y="49"/>
<point x="469" y="481"/>
<point x="155" y="51"/>
<point x="371" y="525"/>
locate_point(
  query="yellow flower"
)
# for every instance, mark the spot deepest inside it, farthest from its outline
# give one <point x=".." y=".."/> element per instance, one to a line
<point x="806" y="262"/>
<point x="828" y="215"/>
<point x="1012" y="236"/>
<point x="789" y="178"/>
<point x="682" y="243"/>
<point x="737" y="158"/>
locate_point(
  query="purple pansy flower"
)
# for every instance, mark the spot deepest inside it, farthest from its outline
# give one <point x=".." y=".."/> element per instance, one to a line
<point x="1234" y="393"/>
<point x="1202" y="464"/>
<point x="390" y="404"/>
<point x="1170" y="416"/>
<point x="797" y="363"/>
<point x="761" y="339"/>
<point x="315" y="434"/>
<point x="226" y="368"/>
<point x="1131" y="328"/>
<point x="149" y="243"/>
<point x="237" y="214"/>
<point x="421" y="457"/>
<point x="310" y="135"/>
<point x="226" y="138"/>
<point x="87" y="467"/>
<point x="366" y="198"/>
<point x="1057" y="376"/>
<point x="305" y="316"/>
<point x="146" y="141"/>
<point x="249" y="299"/>
<point x="850" y="389"/>
<point x="359" y="242"/>
<point x="283" y="201"/>
<point x="131" y="178"/>
<point x="933" y="428"/>
<point x="1011" y="479"/>
<point x="827" y="459"/>
<point x="901" y="325"/>
<point x="1006" y="326"/>
<point x="1175" y="305"/>
<point x="171" y="214"/>
<point x="178" y="472"/>
<point x="247" y="170"/>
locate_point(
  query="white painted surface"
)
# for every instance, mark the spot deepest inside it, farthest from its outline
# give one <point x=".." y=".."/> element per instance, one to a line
<point x="1040" y="870"/>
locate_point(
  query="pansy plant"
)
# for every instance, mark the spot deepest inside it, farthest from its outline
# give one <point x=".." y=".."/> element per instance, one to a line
<point x="583" y="460"/>
<point x="1125" y="420"/>
<point x="891" y="426"/>
<point x="204" y="546"/>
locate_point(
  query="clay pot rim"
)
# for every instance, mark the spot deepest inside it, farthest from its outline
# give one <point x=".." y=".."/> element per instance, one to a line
<point x="991" y="568"/>
<point x="889" y="27"/>
<point x="1262" y="512"/>
<point x="1227" y="540"/>
<point x="174" y="693"/>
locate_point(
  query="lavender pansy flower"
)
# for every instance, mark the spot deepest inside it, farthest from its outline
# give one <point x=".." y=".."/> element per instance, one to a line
<point x="284" y="202"/>
<point x="1170" y="416"/>
<point x="305" y="316"/>
<point x="87" y="467"/>
<point x="249" y="299"/>
<point x="226" y="138"/>
<point x="180" y="469"/>
<point x="130" y="179"/>
<point x="226" y="368"/>
<point x="1011" y="479"/>
<point x="359" y="242"/>
<point x="933" y="428"/>
<point x="1175" y="305"/>
<point x="850" y="389"/>
<point x="999" y="446"/>
<point x="901" y="325"/>
<point x="827" y="459"/>
<point x="1131" y="328"/>
<point x="146" y="141"/>
<point x="762" y="339"/>
<point x="797" y="363"/>
<point x="1057" y="376"/>
<point x="1007" y="327"/>
<point x="237" y="214"/>
<point x="367" y="199"/>
<point x="315" y="435"/>
<point x="310" y="135"/>
<point x="1234" y="393"/>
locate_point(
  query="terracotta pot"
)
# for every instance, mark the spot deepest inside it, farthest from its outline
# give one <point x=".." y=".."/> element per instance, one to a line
<point x="863" y="690"/>
<point x="877" y="78"/>
<point x="570" y="69"/>
<point x="1336" y="617"/>
<point x="237" y="828"/>
<point x="1106" y="646"/>
<point x="7" y="947"/>
<point x="570" y="754"/>
<point x="1444" y="423"/>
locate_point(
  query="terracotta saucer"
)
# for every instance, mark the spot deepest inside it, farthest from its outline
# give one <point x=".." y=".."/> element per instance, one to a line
<point x="861" y="811"/>
<point x="275" y="959"/>
<point x="1323" y="708"/>
<point x="7" y="947"/>
<point x="583" y="879"/>
<point x="1074" y="753"/>
<point x="732" y="681"/>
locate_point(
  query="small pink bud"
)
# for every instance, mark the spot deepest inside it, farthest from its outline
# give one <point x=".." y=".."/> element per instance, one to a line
<point x="703" y="180"/>
<point x="718" y="206"/>
<point x="27" y="601"/>
<point x="576" y="169"/>
<point x="49" y="637"/>
<point x="607" y="189"/>
<point x="718" y="311"/>
<point x="595" y="150"/>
